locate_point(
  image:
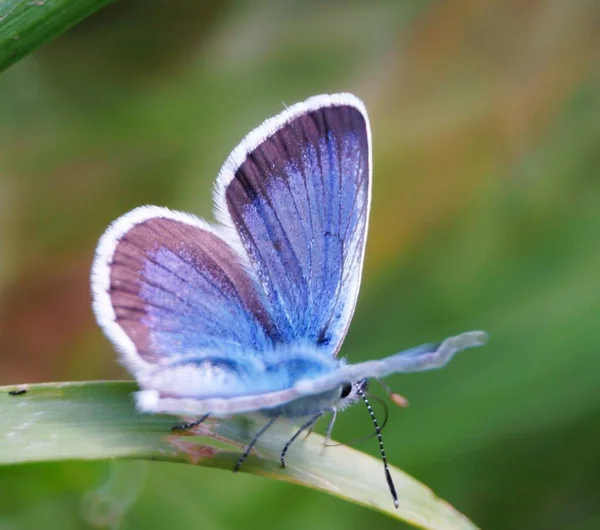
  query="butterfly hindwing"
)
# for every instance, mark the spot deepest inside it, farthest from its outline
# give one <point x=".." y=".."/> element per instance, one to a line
<point x="167" y="286"/>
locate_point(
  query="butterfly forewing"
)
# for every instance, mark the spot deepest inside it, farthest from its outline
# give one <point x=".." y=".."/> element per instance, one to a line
<point x="299" y="201"/>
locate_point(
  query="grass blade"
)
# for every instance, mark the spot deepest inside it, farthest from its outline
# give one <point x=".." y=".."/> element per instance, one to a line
<point x="97" y="420"/>
<point x="27" y="24"/>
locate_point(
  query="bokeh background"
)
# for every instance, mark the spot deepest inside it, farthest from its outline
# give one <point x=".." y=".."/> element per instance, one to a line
<point x="486" y="214"/>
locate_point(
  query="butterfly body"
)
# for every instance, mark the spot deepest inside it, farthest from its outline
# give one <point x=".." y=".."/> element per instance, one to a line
<point x="249" y="314"/>
<point x="239" y="374"/>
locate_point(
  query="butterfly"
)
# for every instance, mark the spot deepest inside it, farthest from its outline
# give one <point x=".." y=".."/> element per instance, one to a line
<point x="249" y="314"/>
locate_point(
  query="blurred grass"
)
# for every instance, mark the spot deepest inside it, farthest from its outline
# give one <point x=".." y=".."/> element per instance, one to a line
<point x="485" y="118"/>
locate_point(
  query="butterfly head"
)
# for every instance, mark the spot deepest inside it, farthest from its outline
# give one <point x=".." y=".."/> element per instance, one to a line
<point x="351" y="393"/>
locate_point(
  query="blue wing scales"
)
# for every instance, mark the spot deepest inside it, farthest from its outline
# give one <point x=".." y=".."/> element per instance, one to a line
<point x="265" y="299"/>
<point x="300" y="201"/>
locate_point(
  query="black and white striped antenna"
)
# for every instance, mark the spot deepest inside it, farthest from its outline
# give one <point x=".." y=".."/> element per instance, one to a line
<point x="388" y="476"/>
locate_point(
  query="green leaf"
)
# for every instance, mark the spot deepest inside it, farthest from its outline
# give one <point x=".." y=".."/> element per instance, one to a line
<point x="27" y="24"/>
<point x="97" y="420"/>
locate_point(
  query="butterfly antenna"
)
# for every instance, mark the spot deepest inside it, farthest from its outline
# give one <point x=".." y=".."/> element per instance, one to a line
<point x="386" y="468"/>
<point x="364" y="438"/>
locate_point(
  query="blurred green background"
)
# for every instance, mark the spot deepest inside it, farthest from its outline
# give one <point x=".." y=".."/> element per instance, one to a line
<point x="486" y="214"/>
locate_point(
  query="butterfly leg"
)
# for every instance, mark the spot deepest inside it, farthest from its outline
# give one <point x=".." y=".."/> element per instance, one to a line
<point x="253" y="443"/>
<point x="308" y="425"/>
<point x="308" y="432"/>
<point x="329" y="428"/>
<point x="189" y="425"/>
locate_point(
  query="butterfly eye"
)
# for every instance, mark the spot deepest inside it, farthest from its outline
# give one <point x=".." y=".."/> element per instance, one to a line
<point x="346" y="389"/>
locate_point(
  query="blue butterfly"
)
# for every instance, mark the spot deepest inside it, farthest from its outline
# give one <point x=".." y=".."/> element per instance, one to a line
<point x="249" y="314"/>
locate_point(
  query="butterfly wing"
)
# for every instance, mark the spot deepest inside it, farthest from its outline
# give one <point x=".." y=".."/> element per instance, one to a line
<point x="167" y="287"/>
<point x="296" y="192"/>
<point x="226" y="318"/>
